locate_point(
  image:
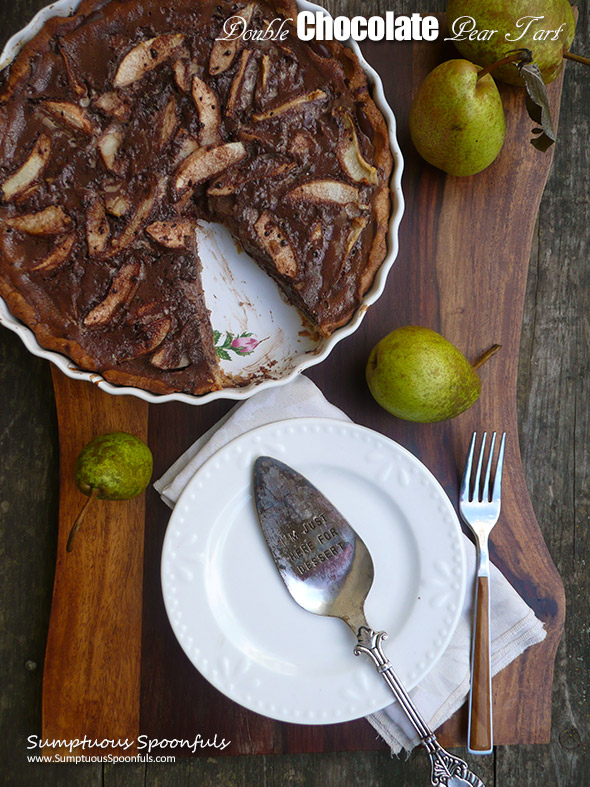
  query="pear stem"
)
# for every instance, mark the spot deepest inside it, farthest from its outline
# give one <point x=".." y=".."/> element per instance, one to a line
<point x="511" y="58"/>
<point x="486" y="356"/>
<point x="577" y="58"/>
<point x="79" y="518"/>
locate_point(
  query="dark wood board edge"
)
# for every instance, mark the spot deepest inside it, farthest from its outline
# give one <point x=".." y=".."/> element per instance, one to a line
<point x="91" y="677"/>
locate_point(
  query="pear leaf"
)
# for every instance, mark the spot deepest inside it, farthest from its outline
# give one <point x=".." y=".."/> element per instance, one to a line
<point x="537" y="104"/>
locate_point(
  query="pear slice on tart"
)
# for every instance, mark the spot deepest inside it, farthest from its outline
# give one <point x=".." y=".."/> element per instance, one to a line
<point x="70" y="115"/>
<point x="325" y="190"/>
<point x="146" y="56"/>
<point x="58" y="257"/>
<point x="205" y="163"/>
<point x="121" y="291"/>
<point x="223" y="52"/>
<point x="113" y="105"/>
<point x="97" y="227"/>
<point x="276" y="245"/>
<point x="52" y="220"/>
<point x="207" y="105"/>
<point x="108" y="145"/>
<point x="172" y="234"/>
<point x="30" y="170"/>
<point x="349" y="154"/>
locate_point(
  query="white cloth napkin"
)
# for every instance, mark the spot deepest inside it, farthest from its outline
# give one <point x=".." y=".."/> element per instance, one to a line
<point x="444" y="689"/>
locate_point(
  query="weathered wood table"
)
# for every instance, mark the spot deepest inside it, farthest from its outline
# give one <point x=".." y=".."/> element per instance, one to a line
<point x="553" y="406"/>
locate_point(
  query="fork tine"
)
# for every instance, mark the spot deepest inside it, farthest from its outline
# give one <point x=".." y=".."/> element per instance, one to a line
<point x="464" y="492"/>
<point x="485" y="493"/>
<point x="497" y="490"/>
<point x="476" y="495"/>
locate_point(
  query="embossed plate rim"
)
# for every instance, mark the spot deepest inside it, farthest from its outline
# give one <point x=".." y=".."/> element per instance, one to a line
<point x="307" y="360"/>
<point x="309" y="698"/>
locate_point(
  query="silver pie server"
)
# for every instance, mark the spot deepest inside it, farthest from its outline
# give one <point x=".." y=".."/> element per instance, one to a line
<point x="328" y="570"/>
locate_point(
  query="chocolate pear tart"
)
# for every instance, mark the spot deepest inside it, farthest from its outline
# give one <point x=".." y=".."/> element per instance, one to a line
<point x="124" y="124"/>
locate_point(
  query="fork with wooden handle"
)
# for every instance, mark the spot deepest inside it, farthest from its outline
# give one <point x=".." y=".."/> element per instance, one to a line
<point x="480" y="509"/>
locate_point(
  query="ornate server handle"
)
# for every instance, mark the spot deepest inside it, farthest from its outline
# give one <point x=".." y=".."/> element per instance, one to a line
<point x="445" y="768"/>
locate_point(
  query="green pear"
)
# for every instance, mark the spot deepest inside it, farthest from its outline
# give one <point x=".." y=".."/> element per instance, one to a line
<point x="547" y="38"/>
<point x="113" y="466"/>
<point x="457" y="122"/>
<point x="416" y="374"/>
<point x="118" y="465"/>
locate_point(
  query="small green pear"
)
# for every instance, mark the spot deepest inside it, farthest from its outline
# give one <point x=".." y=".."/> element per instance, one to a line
<point x="457" y="122"/>
<point x="118" y="465"/>
<point x="546" y="27"/>
<point x="113" y="466"/>
<point x="417" y="375"/>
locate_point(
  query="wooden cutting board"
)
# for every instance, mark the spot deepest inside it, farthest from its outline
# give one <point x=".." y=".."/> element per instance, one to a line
<point x="113" y="667"/>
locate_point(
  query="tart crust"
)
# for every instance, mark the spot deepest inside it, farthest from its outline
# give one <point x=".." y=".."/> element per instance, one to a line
<point x="316" y="222"/>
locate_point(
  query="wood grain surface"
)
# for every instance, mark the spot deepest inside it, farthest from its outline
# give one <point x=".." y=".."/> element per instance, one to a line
<point x="479" y="729"/>
<point x="92" y="659"/>
<point x="554" y="434"/>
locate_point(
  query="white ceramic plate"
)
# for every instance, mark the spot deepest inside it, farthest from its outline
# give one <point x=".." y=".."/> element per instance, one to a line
<point x="235" y="619"/>
<point x="241" y="298"/>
